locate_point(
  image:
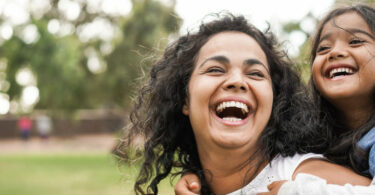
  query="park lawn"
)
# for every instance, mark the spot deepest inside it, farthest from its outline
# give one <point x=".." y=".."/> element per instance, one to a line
<point x="67" y="174"/>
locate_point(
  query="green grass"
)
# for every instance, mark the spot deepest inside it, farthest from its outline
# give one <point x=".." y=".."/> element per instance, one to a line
<point x="67" y="174"/>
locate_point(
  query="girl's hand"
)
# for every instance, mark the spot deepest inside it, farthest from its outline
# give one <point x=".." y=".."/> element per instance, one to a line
<point x="188" y="185"/>
<point x="273" y="188"/>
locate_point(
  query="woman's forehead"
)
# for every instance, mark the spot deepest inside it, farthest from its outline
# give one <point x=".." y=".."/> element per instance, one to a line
<point x="229" y="41"/>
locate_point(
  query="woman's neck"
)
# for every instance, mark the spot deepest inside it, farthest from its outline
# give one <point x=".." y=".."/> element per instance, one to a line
<point x="228" y="170"/>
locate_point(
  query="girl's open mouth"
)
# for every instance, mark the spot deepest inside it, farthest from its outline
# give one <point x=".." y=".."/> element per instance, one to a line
<point x="340" y="71"/>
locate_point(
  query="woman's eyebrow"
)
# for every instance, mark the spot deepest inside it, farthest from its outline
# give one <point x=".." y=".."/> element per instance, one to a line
<point x="225" y="60"/>
<point x="220" y="58"/>
<point x="254" y="61"/>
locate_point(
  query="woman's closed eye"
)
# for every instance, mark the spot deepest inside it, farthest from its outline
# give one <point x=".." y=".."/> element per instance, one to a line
<point x="256" y="74"/>
<point x="215" y="69"/>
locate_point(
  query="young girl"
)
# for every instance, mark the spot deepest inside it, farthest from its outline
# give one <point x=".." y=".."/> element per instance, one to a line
<point x="224" y="103"/>
<point x="343" y="71"/>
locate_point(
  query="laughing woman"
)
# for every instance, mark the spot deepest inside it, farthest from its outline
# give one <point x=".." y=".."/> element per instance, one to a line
<point x="225" y="104"/>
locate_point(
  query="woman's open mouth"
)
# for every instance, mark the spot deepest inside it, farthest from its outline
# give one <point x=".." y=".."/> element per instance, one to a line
<point x="232" y="111"/>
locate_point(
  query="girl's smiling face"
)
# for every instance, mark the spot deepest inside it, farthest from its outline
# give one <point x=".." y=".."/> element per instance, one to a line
<point x="344" y="66"/>
<point x="230" y="92"/>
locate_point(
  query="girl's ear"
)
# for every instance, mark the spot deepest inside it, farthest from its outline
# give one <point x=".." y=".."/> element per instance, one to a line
<point x="185" y="108"/>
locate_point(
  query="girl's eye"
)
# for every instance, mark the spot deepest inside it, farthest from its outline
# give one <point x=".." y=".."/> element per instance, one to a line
<point x="356" y="41"/>
<point x="321" y="49"/>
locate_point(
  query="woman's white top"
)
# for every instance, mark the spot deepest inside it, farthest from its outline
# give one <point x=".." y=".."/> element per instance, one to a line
<point x="280" y="168"/>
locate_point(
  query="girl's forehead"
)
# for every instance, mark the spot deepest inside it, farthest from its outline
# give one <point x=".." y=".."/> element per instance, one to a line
<point x="350" y="22"/>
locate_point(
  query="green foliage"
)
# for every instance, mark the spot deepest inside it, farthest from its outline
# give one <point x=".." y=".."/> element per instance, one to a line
<point x="59" y="63"/>
<point x="55" y="63"/>
<point x="141" y="32"/>
<point x="291" y="26"/>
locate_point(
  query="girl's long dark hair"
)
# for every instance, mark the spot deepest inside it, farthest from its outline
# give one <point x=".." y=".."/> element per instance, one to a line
<point x="169" y="139"/>
<point x="343" y="148"/>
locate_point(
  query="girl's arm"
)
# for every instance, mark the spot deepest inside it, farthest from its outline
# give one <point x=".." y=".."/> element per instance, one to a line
<point x="332" y="173"/>
<point x="321" y="177"/>
<point x="310" y="184"/>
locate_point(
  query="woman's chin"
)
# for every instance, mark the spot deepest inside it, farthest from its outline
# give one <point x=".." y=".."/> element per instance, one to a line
<point x="231" y="140"/>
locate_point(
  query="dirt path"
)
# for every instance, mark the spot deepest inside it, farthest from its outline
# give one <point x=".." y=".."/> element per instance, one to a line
<point x="79" y="144"/>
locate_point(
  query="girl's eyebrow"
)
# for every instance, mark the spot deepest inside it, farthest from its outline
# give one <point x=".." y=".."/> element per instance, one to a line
<point x="351" y="31"/>
<point x="356" y="30"/>
<point x="324" y="37"/>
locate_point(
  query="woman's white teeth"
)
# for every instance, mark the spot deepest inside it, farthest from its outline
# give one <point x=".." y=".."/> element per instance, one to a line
<point x="231" y="119"/>
<point x="239" y="105"/>
<point x="340" y="70"/>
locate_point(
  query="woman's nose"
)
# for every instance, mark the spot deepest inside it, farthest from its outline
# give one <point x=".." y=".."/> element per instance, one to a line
<point x="236" y="82"/>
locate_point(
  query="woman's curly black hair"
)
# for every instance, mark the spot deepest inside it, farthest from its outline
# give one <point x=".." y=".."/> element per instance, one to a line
<point x="343" y="148"/>
<point x="169" y="139"/>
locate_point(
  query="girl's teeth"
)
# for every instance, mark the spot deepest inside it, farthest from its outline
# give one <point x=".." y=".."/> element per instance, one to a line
<point x="336" y="70"/>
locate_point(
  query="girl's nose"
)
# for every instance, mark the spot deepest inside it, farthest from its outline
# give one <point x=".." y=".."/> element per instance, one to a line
<point x="339" y="51"/>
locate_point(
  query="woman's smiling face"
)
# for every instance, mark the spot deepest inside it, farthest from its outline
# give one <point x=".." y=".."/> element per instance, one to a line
<point x="344" y="66"/>
<point x="230" y="92"/>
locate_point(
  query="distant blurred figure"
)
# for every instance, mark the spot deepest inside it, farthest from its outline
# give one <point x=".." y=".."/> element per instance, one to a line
<point x="24" y="124"/>
<point x="43" y="126"/>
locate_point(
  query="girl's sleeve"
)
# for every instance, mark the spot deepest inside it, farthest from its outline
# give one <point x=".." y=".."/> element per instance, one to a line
<point x="306" y="184"/>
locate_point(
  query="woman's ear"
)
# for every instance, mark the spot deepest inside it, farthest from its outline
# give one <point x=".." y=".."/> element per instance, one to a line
<point x="185" y="108"/>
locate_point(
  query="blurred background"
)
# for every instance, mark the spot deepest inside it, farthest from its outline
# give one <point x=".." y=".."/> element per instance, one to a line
<point x="69" y="70"/>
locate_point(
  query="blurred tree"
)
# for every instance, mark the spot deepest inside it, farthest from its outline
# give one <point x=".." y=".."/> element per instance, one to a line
<point x="54" y="62"/>
<point x="149" y="21"/>
<point x="74" y="71"/>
